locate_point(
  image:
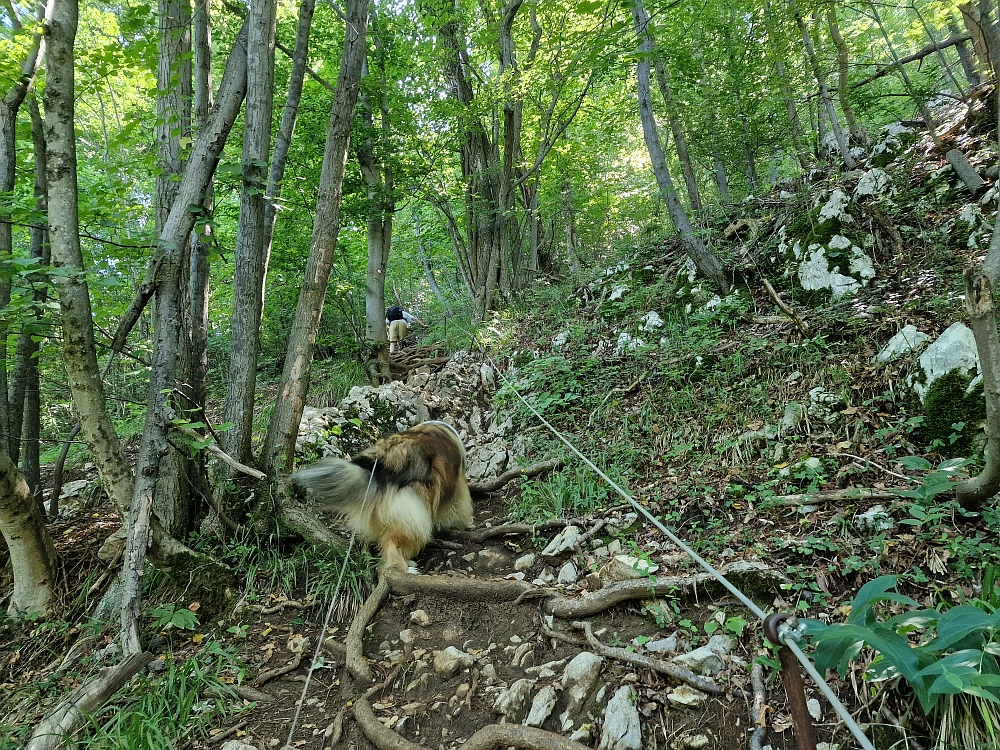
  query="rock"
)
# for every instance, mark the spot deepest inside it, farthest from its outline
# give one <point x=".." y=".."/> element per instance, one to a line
<point x="406" y="636"/>
<point x="541" y="706"/>
<point x="564" y="541"/>
<point x="720" y="644"/>
<point x="238" y="745"/>
<point x="691" y="742"/>
<point x="567" y="573"/>
<point x="626" y="568"/>
<point x="817" y="271"/>
<point x="824" y="406"/>
<point x="621" y="729"/>
<point x="651" y="321"/>
<point x="907" y="340"/>
<point x="491" y="559"/>
<point x="836" y="207"/>
<point x="663" y="645"/>
<point x="579" y="678"/>
<point x="812" y="705"/>
<point x="686" y="696"/>
<point x="955" y="349"/>
<point x="581" y="735"/>
<point x="420" y="617"/>
<point x="875" y="520"/>
<point x="511" y="700"/>
<point x="524" y="562"/>
<point x="703" y="661"/>
<point x="754" y="574"/>
<point x="872" y="182"/>
<point x="450" y="660"/>
<point x="452" y="631"/>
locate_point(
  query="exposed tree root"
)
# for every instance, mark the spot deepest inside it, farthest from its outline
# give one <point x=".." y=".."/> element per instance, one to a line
<point x="296" y="518"/>
<point x="508" y="529"/>
<point x="572" y="608"/>
<point x="354" y="657"/>
<point x="279" y="607"/>
<point x="491" y="737"/>
<point x="219" y="736"/>
<point x="648" y="662"/>
<point x="495" y="736"/>
<point x="84" y="701"/>
<point x="508" y="476"/>
<point x="270" y="674"/>
<point x="758" y="713"/>
<point x="242" y="691"/>
<point x="456" y="587"/>
<point x="785" y="308"/>
<point x="334" y="730"/>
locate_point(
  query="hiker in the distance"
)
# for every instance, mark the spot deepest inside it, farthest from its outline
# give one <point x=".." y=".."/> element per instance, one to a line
<point x="399" y="322"/>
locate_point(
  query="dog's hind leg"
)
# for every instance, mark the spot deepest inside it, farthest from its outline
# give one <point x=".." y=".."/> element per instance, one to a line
<point x="397" y="550"/>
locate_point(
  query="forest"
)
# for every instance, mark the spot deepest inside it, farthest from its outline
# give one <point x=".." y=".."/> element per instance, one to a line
<point x="702" y="290"/>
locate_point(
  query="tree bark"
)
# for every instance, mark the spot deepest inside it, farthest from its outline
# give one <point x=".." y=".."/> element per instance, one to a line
<point x="9" y="107"/>
<point x="79" y="351"/>
<point x="164" y="275"/>
<point x="278" y="452"/>
<point x="381" y="205"/>
<point x="843" y="83"/>
<point x="570" y="218"/>
<point x="26" y="405"/>
<point x="964" y="58"/>
<point x="173" y="100"/>
<point x="973" y="493"/>
<point x="794" y="124"/>
<point x="32" y="556"/>
<point x="680" y="140"/>
<point x="707" y="264"/>
<point x="930" y="49"/>
<point x="248" y="286"/>
<point x="940" y="55"/>
<point x="842" y="144"/>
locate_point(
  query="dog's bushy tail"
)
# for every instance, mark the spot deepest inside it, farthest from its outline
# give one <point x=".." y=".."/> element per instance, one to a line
<point x="334" y="482"/>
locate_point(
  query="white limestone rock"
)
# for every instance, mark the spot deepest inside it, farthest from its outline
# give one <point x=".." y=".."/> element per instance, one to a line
<point x="686" y="696"/>
<point x="565" y="541"/>
<point x="907" y="340"/>
<point x="621" y="729"/>
<point x="448" y="661"/>
<point x="626" y="568"/>
<point x="955" y="349"/>
<point x="512" y="699"/>
<point x="579" y="678"/>
<point x="836" y="207"/>
<point x="872" y="182"/>
<point x="703" y="661"/>
<point x="651" y="321"/>
<point x="541" y="706"/>
<point x="567" y="574"/>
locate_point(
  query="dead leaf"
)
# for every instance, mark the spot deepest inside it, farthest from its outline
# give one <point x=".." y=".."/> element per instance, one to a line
<point x="194" y="606"/>
<point x="197" y="638"/>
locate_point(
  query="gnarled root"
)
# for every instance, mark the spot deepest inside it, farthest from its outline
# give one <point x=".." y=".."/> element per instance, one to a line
<point x="456" y="587"/>
<point x="354" y="657"/>
<point x="571" y="608"/>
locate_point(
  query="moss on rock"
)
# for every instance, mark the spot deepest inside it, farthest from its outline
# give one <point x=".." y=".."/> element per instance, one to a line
<point x="948" y="402"/>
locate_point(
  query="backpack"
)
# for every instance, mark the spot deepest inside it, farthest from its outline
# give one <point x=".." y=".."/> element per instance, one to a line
<point x="394" y="313"/>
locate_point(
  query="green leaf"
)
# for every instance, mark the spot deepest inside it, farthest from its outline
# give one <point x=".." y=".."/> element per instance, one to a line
<point x="915" y="462"/>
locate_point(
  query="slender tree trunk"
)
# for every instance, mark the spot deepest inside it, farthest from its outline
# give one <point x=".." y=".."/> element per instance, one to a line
<point x="248" y="288"/>
<point x="424" y="259"/>
<point x="680" y="140"/>
<point x="843" y="83"/>
<point x="945" y="67"/>
<point x="795" y="125"/>
<point x="279" y="443"/>
<point x="381" y="206"/>
<point x="964" y="58"/>
<point x="9" y="107"/>
<point x="718" y="163"/>
<point x="569" y="216"/>
<point x="838" y="132"/>
<point x="79" y="351"/>
<point x="25" y="406"/>
<point x="289" y="116"/>
<point x="164" y="274"/>
<point x="708" y="265"/>
<point x="32" y="556"/>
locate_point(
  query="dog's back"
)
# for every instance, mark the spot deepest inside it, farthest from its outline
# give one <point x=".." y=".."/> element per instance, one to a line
<point x="399" y="490"/>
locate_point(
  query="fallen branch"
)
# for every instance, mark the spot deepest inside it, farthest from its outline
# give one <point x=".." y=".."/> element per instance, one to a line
<point x="573" y="608"/>
<point x="279" y="607"/>
<point x="296" y="518"/>
<point x="920" y="54"/>
<point x="514" y="528"/>
<point x="219" y="736"/>
<point x="216" y="451"/>
<point x="648" y="662"/>
<point x="832" y="496"/>
<point x="509" y="476"/>
<point x="417" y="364"/>
<point x="354" y="657"/>
<point x="333" y="731"/>
<point x="799" y="323"/>
<point x="60" y="723"/>
<point x="758" y="714"/>
<point x="455" y="587"/>
<point x="270" y="674"/>
<point x="241" y="691"/>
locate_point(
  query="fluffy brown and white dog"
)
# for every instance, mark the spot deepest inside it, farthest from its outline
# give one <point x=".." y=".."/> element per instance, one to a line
<point x="418" y="485"/>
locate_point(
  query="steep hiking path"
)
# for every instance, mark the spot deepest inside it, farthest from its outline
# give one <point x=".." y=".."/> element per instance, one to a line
<point x="561" y="627"/>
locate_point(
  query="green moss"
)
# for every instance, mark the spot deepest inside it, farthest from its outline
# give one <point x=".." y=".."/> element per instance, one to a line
<point x="810" y="229"/>
<point x="948" y="404"/>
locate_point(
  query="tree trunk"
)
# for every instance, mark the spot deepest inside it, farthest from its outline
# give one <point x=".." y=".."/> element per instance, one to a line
<point x="279" y="443"/>
<point x="424" y="259"/>
<point x="838" y="132"/>
<point x="843" y="84"/>
<point x="248" y="287"/>
<point x="795" y="125"/>
<point x="9" y="106"/>
<point x="79" y="351"/>
<point x="680" y="140"/>
<point x="25" y="404"/>
<point x="569" y="216"/>
<point x="381" y="206"/>
<point x="32" y="556"/>
<point x="940" y="55"/>
<point x="164" y="275"/>
<point x="964" y="58"/>
<point x="707" y="264"/>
